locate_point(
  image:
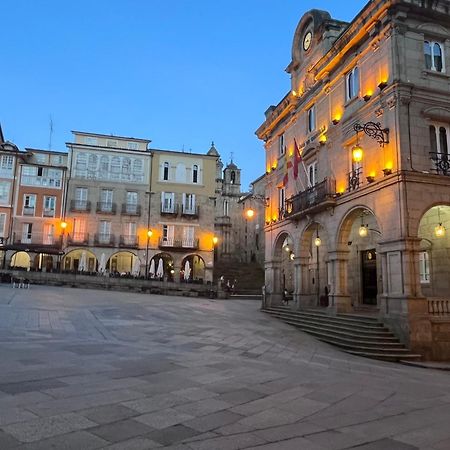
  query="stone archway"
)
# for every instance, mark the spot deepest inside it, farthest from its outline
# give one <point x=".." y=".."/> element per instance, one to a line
<point x="72" y="259"/>
<point x="20" y="260"/>
<point x="357" y="266"/>
<point x="122" y="263"/>
<point x="168" y="270"/>
<point x="313" y="289"/>
<point x="196" y="269"/>
<point x="434" y="263"/>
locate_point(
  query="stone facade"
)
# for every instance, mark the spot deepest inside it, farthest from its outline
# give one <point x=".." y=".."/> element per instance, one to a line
<point x="363" y="231"/>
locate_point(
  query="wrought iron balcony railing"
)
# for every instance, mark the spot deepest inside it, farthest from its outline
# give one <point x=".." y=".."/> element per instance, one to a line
<point x="36" y="239"/>
<point x="169" y="210"/>
<point x="354" y="179"/>
<point x="129" y="241"/>
<point x="104" y="239"/>
<point x="29" y="210"/>
<point x="106" y="208"/>
<point x="192" y="212"/>
<point x="78" y="238"/>
<point x="441" y="162"/>
<point x="131" y="209"/>
<point x="314" y="199"/>
<point x="180" y="244"/>
<point x="80" y="205"/>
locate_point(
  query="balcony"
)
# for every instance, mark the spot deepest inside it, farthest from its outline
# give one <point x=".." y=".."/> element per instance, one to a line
<point x="191" y="213"/>
<point x="28" y="210"/>
<point x="314" y="199"/>
<point x="103" y="239"/>
<point x="222" y="221"/>
<point x="38" y="242"/>
<point x="354" y="179"/>
<point x="49" y="212"/>
<point x="169" y="210"/>
<point x="78" y="238"/>
<point x="178" y="244"/>
<point x="131" y="209"/>
<point x="80" y="205"/>
<point x="129" y="241"/>
<point x="441" y="163"/>
<point x="106" y="208"/>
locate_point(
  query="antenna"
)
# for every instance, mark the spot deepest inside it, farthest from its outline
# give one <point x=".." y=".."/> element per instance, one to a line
<point x="50" y="133"/>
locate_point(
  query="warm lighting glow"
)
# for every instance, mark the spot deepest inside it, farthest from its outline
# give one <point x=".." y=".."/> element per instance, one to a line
<point x="274" y="218"/>
<point x="363" y="231"/>
<point x="149" y="233"/>
<point x="323" y="138"/>
<point x="215" y="240"/>
<point x="367" y="96"/>
<point x="439" y="231"/>
<point x="250" y="213"/>
<point x="357" y="153"/>
<point x="389" y="165"/>
<point x="317" y="241"/>
<point x="292" y="256"/>
<point x="63" y="225"/>
<point x="294" y="93"/>
<point x="287" y="248"/>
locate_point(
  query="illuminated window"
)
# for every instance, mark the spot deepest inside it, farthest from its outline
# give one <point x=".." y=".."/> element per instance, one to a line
<point x="311" y="119"/>
<point x="424" y="267"/>
<point x="352" y="83"/>
<point x="312" y="174"/>
<point x="434" y="57"/>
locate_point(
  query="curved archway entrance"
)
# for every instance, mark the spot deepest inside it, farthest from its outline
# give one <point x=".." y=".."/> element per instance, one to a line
<point x="123" y="263"/>
<point x="358" y="239"/>
<point x="161" y="270"/>
<point x="196" y="269"/>
<point x="44" y="262"/>
<point x="80" y="260"/>
<point x="20" y="260"/>
<point x="434" y="264"/>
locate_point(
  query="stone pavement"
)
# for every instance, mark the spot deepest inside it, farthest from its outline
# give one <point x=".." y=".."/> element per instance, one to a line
<point x="84" y="369"/>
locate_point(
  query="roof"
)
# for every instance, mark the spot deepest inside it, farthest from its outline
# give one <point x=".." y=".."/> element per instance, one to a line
<point x="203" y="155"/>
<point x="2" y="138"/>
<point x="85" y="133"/>
<point x="51" y="152"/>
<point x="213" y="151"/>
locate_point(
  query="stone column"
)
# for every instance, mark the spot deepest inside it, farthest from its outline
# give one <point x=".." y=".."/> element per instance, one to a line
<point x="304" y="294"/>
<point x="339" y="299"/>
<point x="274" y="296"/>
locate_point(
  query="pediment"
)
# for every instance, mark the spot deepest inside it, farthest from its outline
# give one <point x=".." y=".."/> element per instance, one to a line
<point x="436" y="113"/>
<point x="433" y="28"/>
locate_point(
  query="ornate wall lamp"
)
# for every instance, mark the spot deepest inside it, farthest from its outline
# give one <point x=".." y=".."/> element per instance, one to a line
<point x="374" y="131"/>
<point x="250" y="212"/>
<point x="439" y="230"/>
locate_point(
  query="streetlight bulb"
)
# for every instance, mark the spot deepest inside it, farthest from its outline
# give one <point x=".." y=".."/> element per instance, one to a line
<point x="363" y="231"/>
<point x="357" y="153"/>
<point x="215" y="240"/>
<point x="292" y="256"/>
<point x="317" y="241"/>
<point x="287" y="248"/>
<point x="439" y="231"/>
<point x="149" y="233"/>
<point x="250" y="213"/>
<point x="63" y="225"/>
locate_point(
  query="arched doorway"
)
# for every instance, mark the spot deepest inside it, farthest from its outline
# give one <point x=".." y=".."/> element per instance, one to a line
<point x="434" y="263"/>
<point x="196" y="269"/>
<point x="74" y="260"/>
<point x="358" y="238"/>
<point x="313" y="260"/>
<point x="44" y="262"/>
<point x="20" y="260"/>
<point x="123" y="263"/>
<point x="161" y="270"/>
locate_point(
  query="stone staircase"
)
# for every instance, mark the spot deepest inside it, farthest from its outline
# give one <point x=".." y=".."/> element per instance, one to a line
<point x="249" y="278"/>
<point x="356" y="334"/>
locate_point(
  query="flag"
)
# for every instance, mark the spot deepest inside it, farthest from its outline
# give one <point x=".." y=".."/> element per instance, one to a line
<point x="287" y="165"/>
<point x="297" y="159"/>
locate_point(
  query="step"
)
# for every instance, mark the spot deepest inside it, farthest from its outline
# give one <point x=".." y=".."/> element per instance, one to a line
<point x="386" y="356"/>
<point x="329" y="321"/>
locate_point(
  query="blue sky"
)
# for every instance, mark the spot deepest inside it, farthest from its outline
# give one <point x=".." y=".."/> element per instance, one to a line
<point x="178" y="72"/>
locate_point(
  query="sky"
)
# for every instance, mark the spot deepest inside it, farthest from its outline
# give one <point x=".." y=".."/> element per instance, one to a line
<point x="181" y="73"/>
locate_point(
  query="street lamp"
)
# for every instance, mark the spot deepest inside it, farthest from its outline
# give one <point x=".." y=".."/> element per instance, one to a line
<point x="317" y="243"/>
<point x="149" y="231"/>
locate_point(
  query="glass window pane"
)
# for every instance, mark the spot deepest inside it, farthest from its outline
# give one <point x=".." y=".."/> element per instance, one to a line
<point x="437" y="55"/>
<point x="427" y="53"/>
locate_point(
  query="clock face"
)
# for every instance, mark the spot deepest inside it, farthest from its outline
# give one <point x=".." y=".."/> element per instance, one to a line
<point x="307" y="41"/>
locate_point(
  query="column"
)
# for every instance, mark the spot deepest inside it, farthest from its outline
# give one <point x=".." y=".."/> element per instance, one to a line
<point x="339" y="298"/>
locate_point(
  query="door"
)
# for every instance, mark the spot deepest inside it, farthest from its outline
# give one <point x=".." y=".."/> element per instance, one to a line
<point x="188" y="237"/>
<point x="369" y="277"/>
<point x="106" y="200"/>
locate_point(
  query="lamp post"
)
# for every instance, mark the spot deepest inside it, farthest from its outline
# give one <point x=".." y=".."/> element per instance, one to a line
<point x="149" y="232"/>
<point x="317" y="243"/>
<point x="63" y="225"/>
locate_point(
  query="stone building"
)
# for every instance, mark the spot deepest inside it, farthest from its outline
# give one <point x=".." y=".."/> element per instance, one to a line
<point x="358" y="166"/>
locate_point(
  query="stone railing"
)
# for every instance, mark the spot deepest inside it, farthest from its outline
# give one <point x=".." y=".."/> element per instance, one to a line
<point x="439" y="306"/>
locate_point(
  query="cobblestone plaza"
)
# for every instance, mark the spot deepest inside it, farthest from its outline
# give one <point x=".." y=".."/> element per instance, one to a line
<point x="85" y="369"/>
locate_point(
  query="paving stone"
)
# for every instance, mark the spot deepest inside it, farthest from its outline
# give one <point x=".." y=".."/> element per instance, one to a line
<point x="29" y="386"/>
<point x="203" y="407"/>
<point x="14" y="415"/>
<point x="107" y="414"/>
<point x="72" y="441"/>
<point x="384" y="444"/>
<point x="227" y="443"/>
<point x="273" y="434"/>
<point x="289" y="444"/>
<point x="173" y="434"/>
<point x="195" y="393"/>
<point x="155" y="403"/>
<point x="7" y="441"/>
<point x="121" y="430"/>
<point x="213" y="421"/>
<point x="241" y="396"/>
<point x="164" y="418"/>
<point x="42" y="428"/>
<point x="138" y="443"/>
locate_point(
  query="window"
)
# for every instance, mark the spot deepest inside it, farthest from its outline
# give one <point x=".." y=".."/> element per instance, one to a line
<point x="138" y="170"/>
<point x="49" y="206"/>
<point x="434" y="58"/>
<point x="281" y="146"/>
<point x="165" y="171"/>
<point x="103" y="172"/>
<point x="115" y="168"/>
<point x="81" y="196"/>
<point x="189" y="203"/>
<point x="226" y="208"/>
<point x="49" y="230"/>
<point x="106" y="200"/>
<point x="311" y="119"/>
<point x="29" y="204"/>
<point x="90" y="141"/>
<point x="111" y="143"/>
<point x="104" y="231"/>
<point x="27" y="229"/>
<point x="2" y="224"/>
<point x="81" y="164"/>
<point x="4" y="192"/>
<point x="79" y="230"/>
<point x="195" y="173"/>
<point x="167" y="202"/>
<point x="41" y="176"/>
<point x="281" y="200"/>
<point x="126" y="169"/>
<point x="233" y="177"/>
<point x="40" y="158"/>
<point x="92" y="166"/>
<point x="167" y="234"/>
<point x="132" y="145"/>
<point x="424" y="267"/>
<point x="439" y="134"/>
<point x="352" y="83"/>
<point x="312" y="174"/>
<point x="188" y="236"/>
<point x="6" y="162"/>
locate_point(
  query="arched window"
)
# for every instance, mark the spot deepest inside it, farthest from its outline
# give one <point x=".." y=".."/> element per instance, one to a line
<point x="437" y="56"/>
<point x="226" y="208"/>
<point x="166" y="171"/>
<point x="433" y="141"/>
<point x="233" y="177"/>
<point x="427" y="53"/>
<point x="195" y="173"/>
<point x="443" y="140"/>
<point x="352" y="85"/>
<point x="434" y="57"/>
